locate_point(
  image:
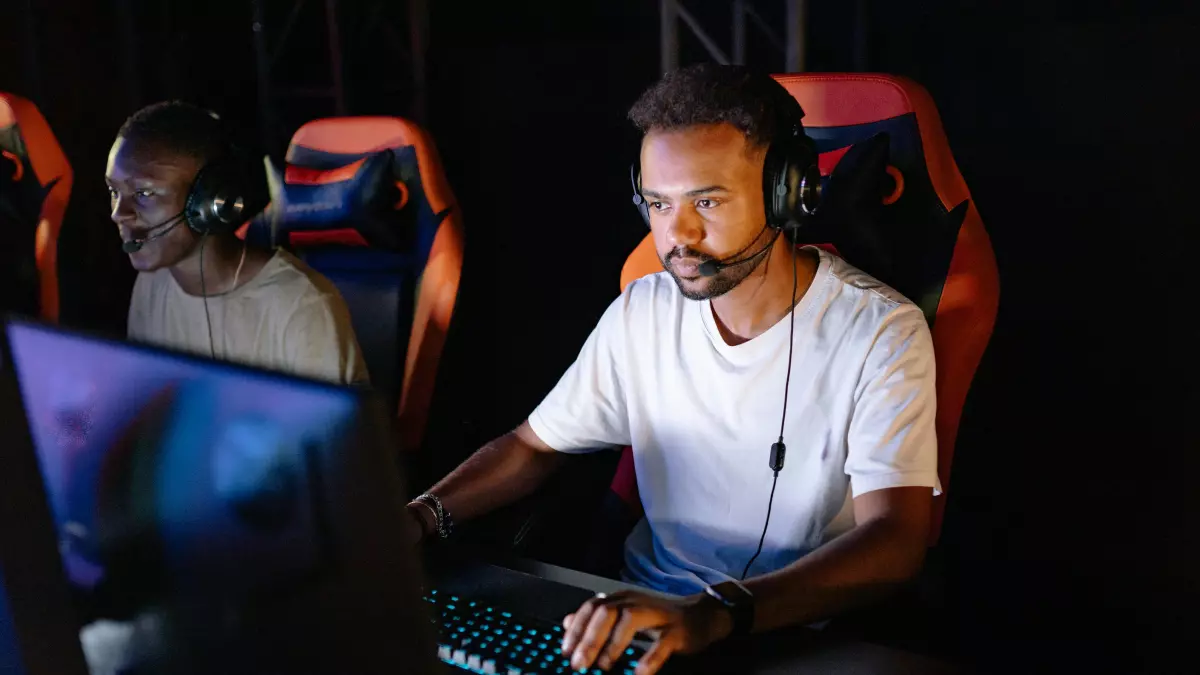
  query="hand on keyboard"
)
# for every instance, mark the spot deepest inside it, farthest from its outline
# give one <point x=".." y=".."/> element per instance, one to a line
<point x="488" y="640"/>
<point x="604" y="626"/>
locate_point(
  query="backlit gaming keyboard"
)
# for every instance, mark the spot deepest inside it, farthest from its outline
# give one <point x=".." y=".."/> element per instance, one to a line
<point x="488" y="640"/>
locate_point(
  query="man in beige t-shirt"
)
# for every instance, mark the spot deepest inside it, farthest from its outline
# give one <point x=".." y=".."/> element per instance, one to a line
<point x="212" y="294"/>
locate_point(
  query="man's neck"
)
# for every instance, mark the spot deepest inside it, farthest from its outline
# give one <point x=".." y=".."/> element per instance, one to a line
<point x="765" y="296"/>
<point x="221" y="256"/>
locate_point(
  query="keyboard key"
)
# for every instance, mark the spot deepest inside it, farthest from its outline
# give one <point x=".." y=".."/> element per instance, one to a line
<point x="444" y="652"/>
<point x="513" y="670"/>
<point x="489" y="667"/>
<point x="460" y="657"/>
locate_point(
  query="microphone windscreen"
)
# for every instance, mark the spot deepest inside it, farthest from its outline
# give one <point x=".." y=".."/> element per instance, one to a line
<point x="709" y="268"/>
<point x="131" y="246"/>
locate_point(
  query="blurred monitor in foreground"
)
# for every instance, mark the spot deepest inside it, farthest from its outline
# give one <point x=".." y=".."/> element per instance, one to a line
<point x="215" y="518"/>
<point x="38" y="626"/>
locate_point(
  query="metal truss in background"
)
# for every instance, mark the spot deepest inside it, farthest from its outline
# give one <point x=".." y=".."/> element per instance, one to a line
<point x="791" y="43"/>
<point x="278" y="30"/>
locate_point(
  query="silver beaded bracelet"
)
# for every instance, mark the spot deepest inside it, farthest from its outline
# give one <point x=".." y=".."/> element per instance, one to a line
<point x="445" y="524"/>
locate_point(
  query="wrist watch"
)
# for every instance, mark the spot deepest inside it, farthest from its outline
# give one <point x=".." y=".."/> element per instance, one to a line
<point x="739" y="601"/>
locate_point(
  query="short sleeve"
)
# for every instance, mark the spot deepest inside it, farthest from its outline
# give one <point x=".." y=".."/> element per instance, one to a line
<point x="586" y="410"/>
<point x="319" y="342"/>
<point x="892" y="440"/>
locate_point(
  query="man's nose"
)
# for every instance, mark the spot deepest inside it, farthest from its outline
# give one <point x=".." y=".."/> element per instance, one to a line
<point x="683" y="229"/>
<point x="122" y="212"/>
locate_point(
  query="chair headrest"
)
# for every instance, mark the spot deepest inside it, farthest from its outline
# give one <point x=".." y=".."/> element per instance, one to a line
<point x="922" y="201"/>
<point x="359" y="204"/>
<point x="367" y="182"/>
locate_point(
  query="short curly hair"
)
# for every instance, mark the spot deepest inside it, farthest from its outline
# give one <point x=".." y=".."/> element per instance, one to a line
<point x="179" y="127"/>
<point x="708" y="93"/>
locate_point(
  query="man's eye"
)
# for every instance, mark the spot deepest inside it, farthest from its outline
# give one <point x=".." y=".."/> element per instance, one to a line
<point x="144" y="193"/>
<point x="705" y="203"/>
<point x="658" y="206"/>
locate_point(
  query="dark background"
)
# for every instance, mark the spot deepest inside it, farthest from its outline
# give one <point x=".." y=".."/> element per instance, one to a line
<point x="1073" y="533"/>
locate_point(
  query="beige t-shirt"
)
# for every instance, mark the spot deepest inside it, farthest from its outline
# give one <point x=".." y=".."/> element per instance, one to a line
<point x="287" y="318"/>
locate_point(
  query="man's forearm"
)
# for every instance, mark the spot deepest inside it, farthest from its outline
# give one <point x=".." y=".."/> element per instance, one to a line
<point x="852" y="570"/>
<point x="498" y="474"/>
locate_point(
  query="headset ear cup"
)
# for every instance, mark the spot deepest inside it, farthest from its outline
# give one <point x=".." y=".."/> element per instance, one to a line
<point x="810" y="190"/>
<point x="791" y="182"/>
<point x="775" y="186"/>
<point x="220" y="199"/>
<point x="635" y="180"/>
<point x="195" y="210"/>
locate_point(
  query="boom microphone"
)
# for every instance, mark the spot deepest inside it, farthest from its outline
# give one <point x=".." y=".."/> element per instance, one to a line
<point x="135" y="245"/>
<point x="710" y="268"/>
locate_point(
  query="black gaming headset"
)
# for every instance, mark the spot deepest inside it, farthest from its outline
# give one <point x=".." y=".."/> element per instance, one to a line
<point x="791" y="177"/>
<point x="224" y="194"/>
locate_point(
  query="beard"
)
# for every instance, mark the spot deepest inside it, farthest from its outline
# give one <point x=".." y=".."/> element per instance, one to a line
<point x="706" y="288"/>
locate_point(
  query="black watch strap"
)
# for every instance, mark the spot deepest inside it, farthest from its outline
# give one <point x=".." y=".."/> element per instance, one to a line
<point x="739" y="602"/>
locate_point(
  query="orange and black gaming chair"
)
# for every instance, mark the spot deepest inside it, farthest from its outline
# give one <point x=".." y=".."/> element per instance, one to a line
<point x="397" y="262"/>
<point x="940" y="255"/>
<point x="35" y="185"/>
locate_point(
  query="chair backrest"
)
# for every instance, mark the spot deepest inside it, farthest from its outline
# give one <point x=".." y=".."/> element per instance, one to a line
<point x="941" y="255"/>
<point x="401" y="295"/>
<point x="37" y="187"/>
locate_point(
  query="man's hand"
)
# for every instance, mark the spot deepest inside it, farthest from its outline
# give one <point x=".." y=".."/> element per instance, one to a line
<point x="604" y="626"/>
<point x="416" y="524"/>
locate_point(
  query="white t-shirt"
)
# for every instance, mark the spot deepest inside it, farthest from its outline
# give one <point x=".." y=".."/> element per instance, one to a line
<point x="701" y="416"/>
<point x="287" y="318"/>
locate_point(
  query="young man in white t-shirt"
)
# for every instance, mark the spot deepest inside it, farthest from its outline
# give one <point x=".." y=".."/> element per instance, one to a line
<point x="212" y="294"/>
<point x="690" y="371"/>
